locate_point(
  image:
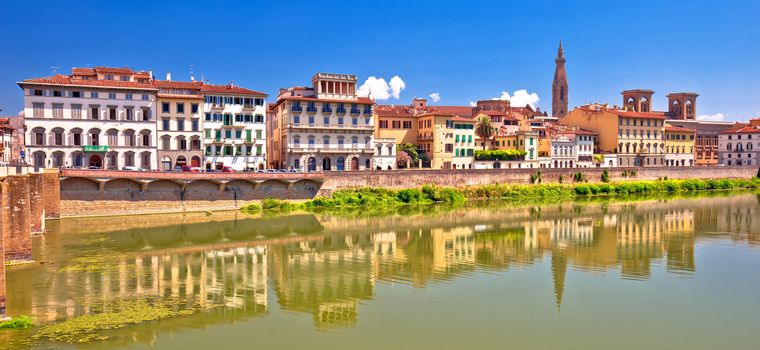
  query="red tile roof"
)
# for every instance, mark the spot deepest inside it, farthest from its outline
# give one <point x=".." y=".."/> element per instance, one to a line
<point x="395" y="111"/>
<point x="66" y="80"/>
<point x="628" y="114"/>
<point x="461" y="119"/>
<point x="170" y="84"/>
<point x="672" y="128"/>
<point x="230" y="89"/>
<point x="458" y="110"/>
<point x="83" y="71"/>
<point x="742" y="129"/>
<point x="114" y="70"/>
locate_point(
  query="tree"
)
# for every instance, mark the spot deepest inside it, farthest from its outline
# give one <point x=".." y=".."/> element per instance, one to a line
<point x="484" y="129"/>
<point x="403" y="160"/>
<point x="411" y="151"/>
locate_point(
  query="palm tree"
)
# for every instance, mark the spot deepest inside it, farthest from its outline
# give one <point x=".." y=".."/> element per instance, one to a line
<point x="484" y="129"/>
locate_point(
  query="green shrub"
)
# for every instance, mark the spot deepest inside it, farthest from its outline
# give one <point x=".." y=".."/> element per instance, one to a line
<point x="509" y="154"/>
<point x="605" y="176"/>
<point x="18" y="322"/>
<point x="251" y="207"/>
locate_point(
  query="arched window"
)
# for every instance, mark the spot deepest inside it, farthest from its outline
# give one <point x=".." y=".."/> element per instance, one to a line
<point x="297" y="141"/>
<point x="728" y="146"/>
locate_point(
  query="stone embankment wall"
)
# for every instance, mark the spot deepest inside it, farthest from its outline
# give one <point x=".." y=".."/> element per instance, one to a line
<point x="104" y="193"/>
<point x="25" y="201"/>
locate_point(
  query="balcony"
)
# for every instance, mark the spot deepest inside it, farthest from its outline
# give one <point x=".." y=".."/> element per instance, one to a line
<point x="331" y="148"/>
<point x="317" y="126"/>
<point x="91" y="148"/>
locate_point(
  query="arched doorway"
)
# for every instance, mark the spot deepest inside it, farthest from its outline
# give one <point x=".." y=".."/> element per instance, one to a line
<point x="261" y="166"/>
<point x="96" y="161"/>
<point x="312" y="164"/>
<point x="354" y="163"/>
<point x="195" y="162"/>
<point x="181" y="161"/>
<point x="326" y="164"/>
<point x="341" y="164"/>
<point x="496" y="165"/>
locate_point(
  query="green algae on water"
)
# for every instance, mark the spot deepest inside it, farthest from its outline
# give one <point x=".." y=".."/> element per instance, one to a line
<point x="113" y="315"/>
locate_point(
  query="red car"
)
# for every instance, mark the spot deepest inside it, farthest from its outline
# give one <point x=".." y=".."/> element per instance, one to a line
<point x="228" y="170"/>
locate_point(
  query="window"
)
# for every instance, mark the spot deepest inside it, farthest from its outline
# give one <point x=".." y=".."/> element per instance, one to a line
<point x="129" y="113"/>
<point x="407" y="124"/>
<point x="146" y="114"/>
<point x="145" y="97"/>
<point x="181" y="108"/>
<point x="146" y="140"/>
<point x="76" y="111"/>
<point x="128" y="96"/>
<point x="76" y="94"/>
<point x="112" y="95"/>
<point x="39" y="110"/>
<point x="37" y="93"/>
<point x="195" y="125"/>
<point x="165" y="124"/>
<point x="109" y="77"/>
<point x="58" y="110"/>
<point x="194" y="108"/>
<point x="93" y="95"/>
<point x="383" y="124"/>
<point x="124" y="78"/>
<point x="112" y="113"/>
<point x="165" y="107"/>
<point x="58" y="138"/>
<point x="180" y="125"/>
<point x="77" y="139"/>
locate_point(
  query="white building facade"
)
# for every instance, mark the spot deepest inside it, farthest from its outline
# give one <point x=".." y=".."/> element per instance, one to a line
<point x="740" y="145"/>
<point x="563" y="151"/>
<point x="326" y="127"/>
<point x="99" y="117"/>
<point x="585" y="142"/>
<point x="385" y="154"/>
<point x="234" y="128"/>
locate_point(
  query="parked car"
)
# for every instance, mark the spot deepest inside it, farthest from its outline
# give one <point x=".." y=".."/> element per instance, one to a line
<point x="189" y="169"/>
<point x="227" y="170"/>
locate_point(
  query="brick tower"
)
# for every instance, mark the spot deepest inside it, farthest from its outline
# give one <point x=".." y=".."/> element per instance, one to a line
<point x="559" y="85"/>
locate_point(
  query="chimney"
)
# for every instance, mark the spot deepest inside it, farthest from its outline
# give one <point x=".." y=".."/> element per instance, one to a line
<point x="419" y="102"/>
<point x="168" y="76"/>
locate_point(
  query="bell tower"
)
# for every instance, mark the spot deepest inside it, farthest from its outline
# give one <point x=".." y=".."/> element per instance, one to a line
<point x="559" y="85"/>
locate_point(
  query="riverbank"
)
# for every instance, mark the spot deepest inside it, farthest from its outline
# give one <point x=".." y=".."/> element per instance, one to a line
<point x="366" y="197"/>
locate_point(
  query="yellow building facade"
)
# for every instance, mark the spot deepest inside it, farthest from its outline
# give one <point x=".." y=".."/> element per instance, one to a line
<point x="636" y="137"/>
<point x="679" y="146"/>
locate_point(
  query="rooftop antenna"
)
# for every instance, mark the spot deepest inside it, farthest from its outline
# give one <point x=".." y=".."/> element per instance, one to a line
<point x="54" y="69"/>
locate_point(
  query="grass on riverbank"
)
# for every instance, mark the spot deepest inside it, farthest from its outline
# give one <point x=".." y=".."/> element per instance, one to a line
<point x="367" y="197"/>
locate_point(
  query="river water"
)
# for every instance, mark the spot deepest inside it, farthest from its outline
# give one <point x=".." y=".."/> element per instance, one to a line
<point x="675" y="273"/>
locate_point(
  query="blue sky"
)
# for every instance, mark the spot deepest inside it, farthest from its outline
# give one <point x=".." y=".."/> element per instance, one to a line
<point x="463" y="51"/>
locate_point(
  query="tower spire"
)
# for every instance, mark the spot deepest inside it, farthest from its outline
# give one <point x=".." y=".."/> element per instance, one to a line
<point x="559" y="85"/>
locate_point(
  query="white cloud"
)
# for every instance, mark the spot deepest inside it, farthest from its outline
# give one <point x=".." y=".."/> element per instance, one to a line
<point x="396" y="86"/>
<point x="473" y="104"/>
<point x="717" y="117"/>
<point x="519" y="98"/>
<point x="379" y="89"/>
<point x="435" y="96"/>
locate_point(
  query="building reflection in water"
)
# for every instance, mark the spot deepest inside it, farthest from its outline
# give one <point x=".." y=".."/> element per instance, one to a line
<point x="327" y="265"/>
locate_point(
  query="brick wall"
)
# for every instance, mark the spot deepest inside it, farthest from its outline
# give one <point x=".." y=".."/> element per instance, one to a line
<point x="18" y="238"/>
<point x="36" y="207"/>
<point x="102" y="193"/>
<point x="51" y="195"/>
<point x="4" y="227"/>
